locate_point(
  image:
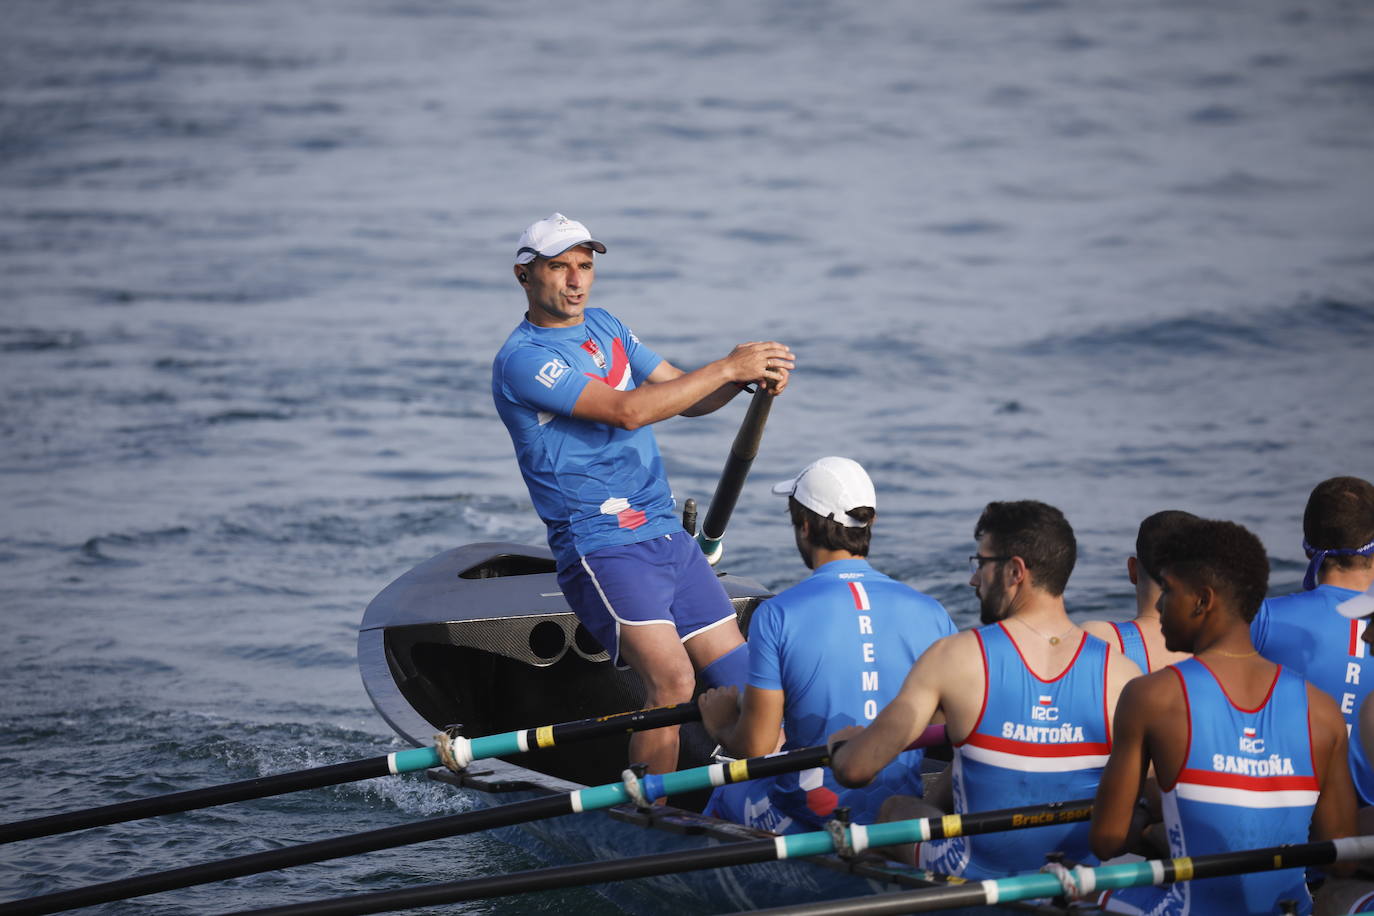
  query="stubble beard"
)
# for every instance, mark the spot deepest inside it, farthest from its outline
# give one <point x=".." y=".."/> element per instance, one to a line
<point x="990" y="606"/>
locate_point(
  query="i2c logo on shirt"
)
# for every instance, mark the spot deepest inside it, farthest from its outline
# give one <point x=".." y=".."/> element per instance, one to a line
<point x="551" y="372"/>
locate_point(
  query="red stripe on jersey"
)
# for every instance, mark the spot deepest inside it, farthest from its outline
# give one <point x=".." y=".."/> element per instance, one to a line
<point x="1030" y="749"/>
<point x="860" y="596"/>
<point x="1252" y="783"/>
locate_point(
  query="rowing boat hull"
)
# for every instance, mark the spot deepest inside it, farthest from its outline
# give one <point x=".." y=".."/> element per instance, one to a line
<point x="480" y="638"/>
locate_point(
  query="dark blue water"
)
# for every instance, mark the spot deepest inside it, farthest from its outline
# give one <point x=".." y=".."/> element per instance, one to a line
<point x="254" y="262"/>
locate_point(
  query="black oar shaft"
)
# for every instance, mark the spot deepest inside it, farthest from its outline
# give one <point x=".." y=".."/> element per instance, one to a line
<point x="746" y="852"/>
<point x="737" y="463"/>
<point x="635" y="721"/>
<point x="435" y="828"/>
<point x="260" y="787"/>
<point x="665" y="863"/>
<point x="371" y="841"/>
<point x="339" y="773"/>
<point x="1179" y="869"/>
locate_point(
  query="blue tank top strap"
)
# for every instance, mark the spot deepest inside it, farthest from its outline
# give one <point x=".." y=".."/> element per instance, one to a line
<point x="1132" y="642"/>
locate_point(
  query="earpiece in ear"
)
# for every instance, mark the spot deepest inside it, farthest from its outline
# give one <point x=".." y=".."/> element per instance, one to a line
<point x="524" y="278"/>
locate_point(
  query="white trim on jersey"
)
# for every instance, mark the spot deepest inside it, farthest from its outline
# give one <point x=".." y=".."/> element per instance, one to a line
<point x="1247" y="798"/>
<point x="1032" y="764"/>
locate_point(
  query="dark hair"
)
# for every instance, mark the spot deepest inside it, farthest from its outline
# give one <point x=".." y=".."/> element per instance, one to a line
<point x="827" y="534"/>
<point x="1222" y="555"/>
<point x="1340" y="515"/>
<point x="1038" y="534"/>
<point x="1154" y="529"/>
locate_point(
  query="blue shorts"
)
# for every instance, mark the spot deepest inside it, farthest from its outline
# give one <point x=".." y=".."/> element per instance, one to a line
<point x="663" y="580"/>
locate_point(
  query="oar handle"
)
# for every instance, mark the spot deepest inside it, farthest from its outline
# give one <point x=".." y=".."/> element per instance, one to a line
<point x="737" y="463"/>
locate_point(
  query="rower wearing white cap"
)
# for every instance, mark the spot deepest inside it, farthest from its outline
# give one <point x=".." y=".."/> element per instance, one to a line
<point x="1309" y="632"/>
<point x="577" y="392"/>
<point x="826" y="653"/>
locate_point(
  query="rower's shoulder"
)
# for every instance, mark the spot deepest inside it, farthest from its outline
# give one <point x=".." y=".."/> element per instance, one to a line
<point x="1158" y="691"/>
<point x="1104" y="630"/>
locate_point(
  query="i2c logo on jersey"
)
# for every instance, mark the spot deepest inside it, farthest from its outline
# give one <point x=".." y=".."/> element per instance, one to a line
<point x="551" y="372"/>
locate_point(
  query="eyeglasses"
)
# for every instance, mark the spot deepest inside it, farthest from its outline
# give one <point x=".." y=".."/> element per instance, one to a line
<point x="976" y="562"/>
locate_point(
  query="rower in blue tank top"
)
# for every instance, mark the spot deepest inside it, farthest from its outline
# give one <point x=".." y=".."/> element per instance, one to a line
<point x="1247" y="754"/>
<point x="1247" y="783"/>
<point x="1038" y="740"/>
<point x="1027" y="699"/>
<point x="1139" y="639"/>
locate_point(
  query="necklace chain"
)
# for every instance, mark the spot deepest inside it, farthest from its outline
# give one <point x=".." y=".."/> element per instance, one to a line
<point x="1223" y="652"/>
<point x="1053" y="640"/>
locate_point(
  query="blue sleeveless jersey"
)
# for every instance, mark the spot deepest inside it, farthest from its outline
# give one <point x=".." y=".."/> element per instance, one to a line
<point x="593" y="485"/>
<point x="1305" y="633"/>
<point x="1035" y="741"/>
<point x="1248" y="782"/>
<point x="838" y="645"/>
<point x="1132" y="643"/>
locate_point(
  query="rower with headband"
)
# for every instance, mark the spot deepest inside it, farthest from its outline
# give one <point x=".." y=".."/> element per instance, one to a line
<point x="1319" y="555"/>
<point x="1309" y="631"/>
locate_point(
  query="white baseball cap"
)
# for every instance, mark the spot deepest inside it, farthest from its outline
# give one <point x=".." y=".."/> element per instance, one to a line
<point x="1362" y="605"/>
<point x="830" y="487"/>
<point x="553" y="236"/>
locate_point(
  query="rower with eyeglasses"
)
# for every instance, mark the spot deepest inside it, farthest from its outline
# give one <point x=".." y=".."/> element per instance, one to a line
<point x="1026" y="698"/>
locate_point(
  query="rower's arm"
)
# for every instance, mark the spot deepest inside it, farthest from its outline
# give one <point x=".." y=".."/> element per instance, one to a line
<point x="1124" y="775"/>
<point x="867" y="750"/>
<point x="749" y="729"/>
<point x="1334" y="815"/>
<point x="670" y="391"/>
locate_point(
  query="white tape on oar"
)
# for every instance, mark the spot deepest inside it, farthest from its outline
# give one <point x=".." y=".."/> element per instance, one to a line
<point x="858" y="838"/>
<point x="391" y="764"/>
<point x="454" y="751"/>
<point x="1068" y="881"/>
<point x="992" y="891"/>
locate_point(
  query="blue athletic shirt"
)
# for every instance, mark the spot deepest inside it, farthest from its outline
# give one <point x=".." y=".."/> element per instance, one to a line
<point x="1248" y="782"/>
<point x="594" y="485"/>
<point x="838" y="645"/>
<point x="1036" y="741"/>
<point x="1305" y="632"/>
<point x="1132" y="643"/>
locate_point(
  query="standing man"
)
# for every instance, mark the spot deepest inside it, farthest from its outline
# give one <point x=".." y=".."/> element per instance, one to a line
<point x="1140" y="639"/>
<point x="1305" y="632"/>
<point x="826" y="653"/>
<point x="1247" y="753"/>
<point x="577" y="392"/>
<point x="1027" y="698"/>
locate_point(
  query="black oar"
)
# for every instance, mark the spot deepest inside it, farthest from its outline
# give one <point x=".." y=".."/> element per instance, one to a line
<point x="409" y="761"/>
<point x="1090" y="880"/>
<point x="606" y="796"/>
<point x="742" y="452"/>
<point x="743" y="853"/>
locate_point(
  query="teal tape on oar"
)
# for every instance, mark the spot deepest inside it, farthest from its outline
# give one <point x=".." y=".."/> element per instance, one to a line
<point x="1087" y="881"/>
<point x="589" y="799"/>
<point x="745" y="852"/>
<point x="408" y="761"/>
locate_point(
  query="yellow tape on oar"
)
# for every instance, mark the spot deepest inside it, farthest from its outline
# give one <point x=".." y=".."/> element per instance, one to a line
<point x="951" y="825"/>
<point x="739" y="770"/>
<point x="543" y="736"/>
<point x="1183" y="869"/>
